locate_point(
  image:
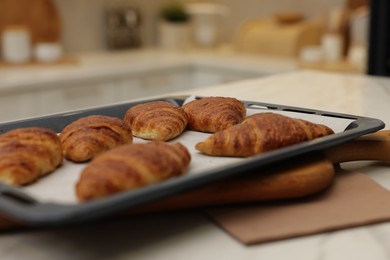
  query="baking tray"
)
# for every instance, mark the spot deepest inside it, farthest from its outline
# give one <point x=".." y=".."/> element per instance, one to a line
<point x="18" y="204"/>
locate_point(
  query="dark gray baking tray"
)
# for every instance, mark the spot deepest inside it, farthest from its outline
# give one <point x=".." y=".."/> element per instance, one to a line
<point x="22" y="207"/>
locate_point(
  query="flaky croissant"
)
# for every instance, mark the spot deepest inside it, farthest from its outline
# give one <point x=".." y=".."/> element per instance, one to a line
<point x="261" y="133"/>
<point x="88" y="136"/>
<point x="131" y="166"/>
<point x="212" y="114"/>
<point x="26" y="154"/>
<point x="158" y="120"/>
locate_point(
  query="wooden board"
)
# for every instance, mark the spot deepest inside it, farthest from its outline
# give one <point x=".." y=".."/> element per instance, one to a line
<point x="264" y="36"/>
<point x="40" y="16"/>
<point x="64" y="61"/>
<point x="341" y="66"/>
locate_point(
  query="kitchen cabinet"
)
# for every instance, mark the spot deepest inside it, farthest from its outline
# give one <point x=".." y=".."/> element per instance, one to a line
<point x="79" y="94"/>
<point x="127" y="89"/>
<point x="207" y="76"/>
<point x="178" y="79"/>
<point x="18" y="105"/>
<point x="70" y="97"/>
<point x="156" y="83"/>
<point x="164" y="82"/>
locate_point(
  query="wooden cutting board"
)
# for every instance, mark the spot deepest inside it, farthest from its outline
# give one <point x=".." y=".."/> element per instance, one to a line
<point x="40" y="16"/>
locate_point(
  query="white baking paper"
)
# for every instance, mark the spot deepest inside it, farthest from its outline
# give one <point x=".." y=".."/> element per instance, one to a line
<point x="59" y="186"/>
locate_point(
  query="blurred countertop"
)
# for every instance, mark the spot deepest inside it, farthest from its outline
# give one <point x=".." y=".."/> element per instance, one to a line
<point x="134" y="62"/>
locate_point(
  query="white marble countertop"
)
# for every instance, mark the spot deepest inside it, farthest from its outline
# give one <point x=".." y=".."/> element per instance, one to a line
<point x="190" y="235"/>
<point x="114" y="64"/>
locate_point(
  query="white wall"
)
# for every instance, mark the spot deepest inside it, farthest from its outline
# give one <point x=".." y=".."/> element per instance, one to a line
<point x="83" y="28"/>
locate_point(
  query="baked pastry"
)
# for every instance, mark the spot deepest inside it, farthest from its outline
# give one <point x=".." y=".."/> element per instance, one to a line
<point x="158" y="120"/>
<point x="212" y="114"/>
<point x="88" y="136"/>
<point x="26" y="154"/>
<point x="131" y="166"/>
<point x="261" y="133"/>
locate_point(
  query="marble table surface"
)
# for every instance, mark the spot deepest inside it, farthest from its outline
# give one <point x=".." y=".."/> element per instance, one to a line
<point x="191" y="235"/>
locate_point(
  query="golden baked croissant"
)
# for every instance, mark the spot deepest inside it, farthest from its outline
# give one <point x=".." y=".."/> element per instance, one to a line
<point x="260" y="133"/>
<point x="212" y="114"/>
<point x="131" y="166"/>
<point x="88" y="136"/>
<point x="27" y="154"/>
<point x="158" y="120"/>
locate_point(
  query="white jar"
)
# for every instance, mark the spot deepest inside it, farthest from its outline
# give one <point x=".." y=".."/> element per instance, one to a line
<point x="48" y="52"/>
<point x="16" y="44"/>
<point x="311" y="54"/>
<point x="332" y="45"/>
<point x="205" y="18"/>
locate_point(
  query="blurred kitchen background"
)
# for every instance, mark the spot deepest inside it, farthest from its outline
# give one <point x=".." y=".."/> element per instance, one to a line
<point x="59" y="55"/>
<point x="84" y="20"/>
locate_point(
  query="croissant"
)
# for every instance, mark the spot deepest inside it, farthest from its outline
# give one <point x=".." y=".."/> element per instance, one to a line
<point x="212" y="114"/>
<point x="26" y="154"/>
<point x="131" y="166"/>
<point x="88" y="136"/>
<point x="159" y="120"/>
<point x="261" y="133"/>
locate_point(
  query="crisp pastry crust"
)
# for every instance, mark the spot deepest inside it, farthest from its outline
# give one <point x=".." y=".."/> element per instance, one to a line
<point x="261" y="133"/>
<point x="86" y="137"/>
<point x="212" y="114"/>
<point x="26" y="154"/>
<point x="131" y="166"/>
<point x="159" y="120"/>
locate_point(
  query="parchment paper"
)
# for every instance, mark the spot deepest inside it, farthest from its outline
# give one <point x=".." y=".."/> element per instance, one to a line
<point x="59" y="186"/>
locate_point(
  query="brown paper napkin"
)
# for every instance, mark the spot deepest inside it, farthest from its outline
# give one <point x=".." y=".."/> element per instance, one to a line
<point x="353" y="200"/>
